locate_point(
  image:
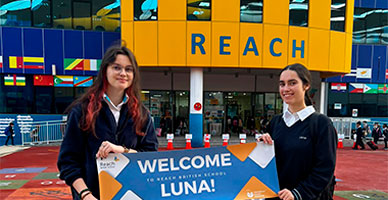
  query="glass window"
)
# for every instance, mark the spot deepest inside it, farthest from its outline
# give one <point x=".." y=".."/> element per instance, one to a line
<point x="17" y="99"/>
<point x="251" y="11"/>
<point x="15" y="13"/>
<point x="337" y="104"/>
<point x="382" y="105"/>
<point x="199" y="10"/>
<point x="299" y="11"/>
<point x="213" y="112"/>
<point x="106" y="15"/>
<point x="82" y="18"/>
<point x="63" y="98"/>
<point x="370" y="26"/>
<point x="41" y="14"/>
<point x="145" y="10"/>
<point x="160" y="106"/>
<point x="337" y="19"/>
<point x="62" y="14"/>
<point x="43" y="99"/>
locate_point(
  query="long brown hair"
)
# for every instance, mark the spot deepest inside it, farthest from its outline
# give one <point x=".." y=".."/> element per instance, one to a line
<point x="305" y="76"/>
<point x="91" y="100"/>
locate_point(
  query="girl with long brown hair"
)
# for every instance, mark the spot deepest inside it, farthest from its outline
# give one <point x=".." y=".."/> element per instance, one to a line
<point x="109" y="117"/>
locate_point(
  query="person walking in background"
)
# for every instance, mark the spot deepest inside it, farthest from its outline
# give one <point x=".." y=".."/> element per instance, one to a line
<point x="376" y="132"/>
<point x="366" y="128"/>
<point x="9" y="133"/>
<point x="385" y="135"/>
<point x="305" y="141"/>
<point x="109" y="117"/>
<point x="359" y="135"/>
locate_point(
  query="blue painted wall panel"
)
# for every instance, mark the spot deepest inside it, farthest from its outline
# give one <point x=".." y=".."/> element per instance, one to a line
<point x="111" y="39"/>
<point x="364" y="56"/>
<point x="53" y="53"/>
<point x="379" y="63"/>
<point x="73" y="44"/>
<point x="12" y="42"/>
<point x="382" y="4"/>
<point x="357" y="3"/>
<point x="93" y="44"/>
<point x="1" y="47"/>
<point x="33" y="46"/>
<point x="368" y="3"/>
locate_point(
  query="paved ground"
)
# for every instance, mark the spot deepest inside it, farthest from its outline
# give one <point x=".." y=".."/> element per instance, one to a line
<point x="31" y="173"/>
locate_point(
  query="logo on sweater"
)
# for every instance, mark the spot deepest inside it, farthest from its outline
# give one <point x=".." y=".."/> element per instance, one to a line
<point x="302" y="138"/>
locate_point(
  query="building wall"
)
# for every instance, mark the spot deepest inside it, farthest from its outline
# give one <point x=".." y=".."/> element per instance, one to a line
<point x="173" y="41"/>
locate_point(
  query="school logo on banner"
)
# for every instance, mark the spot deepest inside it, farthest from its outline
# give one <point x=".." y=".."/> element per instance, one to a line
<point x="83" y="81"/>
<point x="356" y="88"/>
<point x="383" y="88"/>
<point x="82" y="64"/>
<point x="245" y="171"/>
<point x="63" y="81"/>
<point x="16" y="62"/>
<point x="14" y="80"/>
<point x="43" y="80"/>
<point x="370" y="88"/>
<point x="338" y="87"/>
<point x="364" y="73"/>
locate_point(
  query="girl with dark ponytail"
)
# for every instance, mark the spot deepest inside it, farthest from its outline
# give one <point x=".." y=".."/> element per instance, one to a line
<point x="108" y="118"/>
<point x="305" y="141"/>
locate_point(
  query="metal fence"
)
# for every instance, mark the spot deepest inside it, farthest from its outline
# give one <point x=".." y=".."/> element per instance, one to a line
<point x="43" y="132"/>
<point x="345" y="125"/>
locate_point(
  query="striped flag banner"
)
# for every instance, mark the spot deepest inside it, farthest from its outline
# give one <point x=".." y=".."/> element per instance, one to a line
<point x="33" y="62"/>
<point x="338" y="87"/>
<point x="14" y="80"/>
<point x="1" y="61"/>
<point x="370" y="88"/>
<point x="353" y="72"/>
<point x="383" y="88"/>
<point x="73" y="64"/>
<point x="83" y="81"/>
<point x="63" y="81"/>
<point x="15" y="62"/>
<point x="356" y="88"/>
<point x="92" y="64"/>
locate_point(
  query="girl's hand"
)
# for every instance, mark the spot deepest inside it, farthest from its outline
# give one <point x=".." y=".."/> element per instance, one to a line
<point x="286" y="194"/>
<point x="106" y="148"/>
<point x="266" y="138"/>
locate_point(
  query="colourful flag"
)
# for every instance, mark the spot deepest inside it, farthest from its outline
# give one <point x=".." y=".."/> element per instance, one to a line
<point x="383" y="88"/>
<point x="356" y="88"/>
<point x="338" y="87"/>
<point x="364" y="73"/>
<point x="33" y="62"/>
<point x="386" y="74"/>
<point x="92" y="64"/>
<point x="1" y="61"/>
<point x="83" y="81"/>
<point x="14" y="80"/>
<point x="63" y="81"/>
<point x="73" y="64"/>
<point x="15" y="62"/>
<point x="43" y="80"/>
<point x="370" y="88"/>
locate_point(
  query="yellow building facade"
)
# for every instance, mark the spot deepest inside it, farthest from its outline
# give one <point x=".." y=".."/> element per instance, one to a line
<point x="224" y="41"/>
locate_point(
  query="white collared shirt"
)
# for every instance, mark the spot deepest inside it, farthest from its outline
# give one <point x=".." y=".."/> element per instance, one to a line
<point x="290" y="119"/>
<point x="115" y="109"/>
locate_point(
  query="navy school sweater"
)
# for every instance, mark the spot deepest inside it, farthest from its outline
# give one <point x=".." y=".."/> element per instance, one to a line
<point x="77" y="156"/>
<point x="305" y="158"/>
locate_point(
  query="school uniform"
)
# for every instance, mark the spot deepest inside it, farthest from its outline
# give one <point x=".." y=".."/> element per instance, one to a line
<point x="305" y="149"/>
<point x="77" y="156"/>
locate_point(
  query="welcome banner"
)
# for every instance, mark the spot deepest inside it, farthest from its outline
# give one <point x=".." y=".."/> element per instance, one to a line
<point x="245" y="171"/>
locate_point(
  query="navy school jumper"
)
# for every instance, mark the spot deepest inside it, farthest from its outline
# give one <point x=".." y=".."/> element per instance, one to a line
<point x="77" y="156"/>
<point x="305" y="158"/>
